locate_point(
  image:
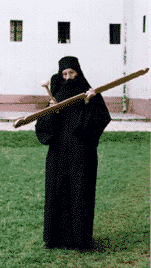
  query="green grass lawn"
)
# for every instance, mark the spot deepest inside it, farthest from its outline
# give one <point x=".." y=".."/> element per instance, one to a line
<point x="121" y="224"/>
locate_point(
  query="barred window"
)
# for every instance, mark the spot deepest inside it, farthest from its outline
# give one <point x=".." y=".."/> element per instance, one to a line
<point x="16" y="30"/>
<point x="115" y="32"/>
<point x="144" y="24"/>
<point x="63" y="32"/>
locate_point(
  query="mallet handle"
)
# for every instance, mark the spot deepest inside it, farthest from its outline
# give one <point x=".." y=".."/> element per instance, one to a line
<point x="121" y="81"/>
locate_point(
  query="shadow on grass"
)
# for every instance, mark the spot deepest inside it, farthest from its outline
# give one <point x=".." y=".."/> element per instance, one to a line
<point x="127" y="241"/>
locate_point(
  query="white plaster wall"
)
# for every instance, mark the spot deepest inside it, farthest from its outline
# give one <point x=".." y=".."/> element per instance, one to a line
<point x="17" y="63"/>
<point x="138" y="48"/>
<point x="149" y="77"/>
<point x="24" y="64"/>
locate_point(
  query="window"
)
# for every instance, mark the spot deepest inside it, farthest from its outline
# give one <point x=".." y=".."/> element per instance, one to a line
<point x="64" y="32"/>
<point x="144" y="24"/>
<point x="115" y="32"/>
<point x="16" y="30"/>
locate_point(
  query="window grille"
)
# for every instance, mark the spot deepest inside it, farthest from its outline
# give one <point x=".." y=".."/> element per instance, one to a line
<point x="16" y="28"/>
<point x="64" y="32"/>
<point x="115" y="33"/>
<point x="144" y="24"/>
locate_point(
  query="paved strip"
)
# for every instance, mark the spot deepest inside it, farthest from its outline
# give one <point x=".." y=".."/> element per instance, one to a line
<point x="10" y="115"/>
<point x="128" y="126"/>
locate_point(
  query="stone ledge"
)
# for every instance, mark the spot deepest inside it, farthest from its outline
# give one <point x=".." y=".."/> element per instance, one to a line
<point x="32" y="103"/>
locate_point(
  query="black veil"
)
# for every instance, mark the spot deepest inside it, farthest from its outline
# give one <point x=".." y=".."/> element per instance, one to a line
<point x="62" y="89"/>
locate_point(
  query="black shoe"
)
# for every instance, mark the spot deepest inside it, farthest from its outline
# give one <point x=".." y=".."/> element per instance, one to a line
<point x="48" y="246"/>
<point x="87" y="248"/>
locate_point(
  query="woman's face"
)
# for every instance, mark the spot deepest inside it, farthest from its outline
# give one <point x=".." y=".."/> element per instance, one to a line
<point x="69" y="74"/>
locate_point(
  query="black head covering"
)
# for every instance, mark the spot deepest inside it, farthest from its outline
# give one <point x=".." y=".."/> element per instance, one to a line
<point x="62" y="89"/>
<point x="69" y="62"/>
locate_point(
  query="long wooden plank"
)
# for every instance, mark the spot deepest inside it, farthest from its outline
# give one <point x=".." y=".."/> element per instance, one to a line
<point x="26" y="120"/>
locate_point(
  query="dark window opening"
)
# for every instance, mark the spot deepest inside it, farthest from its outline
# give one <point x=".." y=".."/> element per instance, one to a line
<point x="64" y="32"/>
<point x="144" y="24"/>
<point x="16" y="27"/>
<point x="115" y="32"/>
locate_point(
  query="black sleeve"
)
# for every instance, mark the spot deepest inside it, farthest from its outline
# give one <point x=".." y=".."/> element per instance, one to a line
<point x="97" y="117"/>
<point x="55" y="83"/>
<point x="46" y="128"/>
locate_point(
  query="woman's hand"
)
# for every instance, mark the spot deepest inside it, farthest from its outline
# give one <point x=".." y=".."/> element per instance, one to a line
<point x="89" y="94"/>
<point x="52" y="103"/>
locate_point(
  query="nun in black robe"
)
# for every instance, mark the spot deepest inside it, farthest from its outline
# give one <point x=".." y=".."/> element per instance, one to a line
<point x="71" y="163"/>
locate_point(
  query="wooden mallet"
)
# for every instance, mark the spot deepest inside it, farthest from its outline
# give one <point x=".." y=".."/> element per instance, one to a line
<point x="61" y="105"/>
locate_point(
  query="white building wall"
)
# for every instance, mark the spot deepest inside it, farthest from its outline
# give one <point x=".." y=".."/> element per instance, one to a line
<point x="149" y="23"/>
<point x="24" y="64"/>
<point x="138" y="47"/>
<point x="17" y="63"/>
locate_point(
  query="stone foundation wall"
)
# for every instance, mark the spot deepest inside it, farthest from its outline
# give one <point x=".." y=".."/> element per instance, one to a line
<point x="32" y="103"/>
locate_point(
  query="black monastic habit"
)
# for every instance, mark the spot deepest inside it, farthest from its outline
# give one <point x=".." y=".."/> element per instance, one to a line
<point x="71" y="164"/>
